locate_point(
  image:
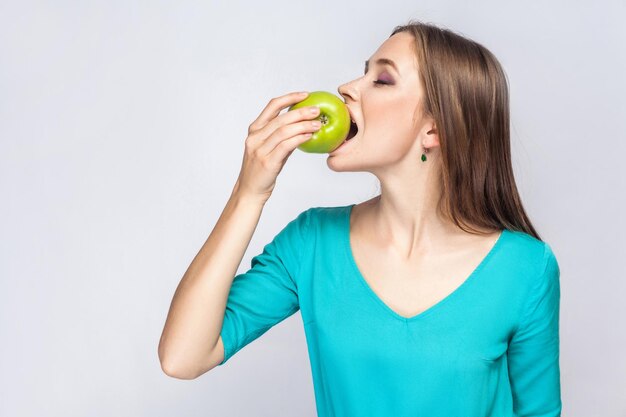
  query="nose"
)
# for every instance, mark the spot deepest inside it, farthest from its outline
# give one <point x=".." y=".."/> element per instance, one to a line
<point x="347" y="90"/>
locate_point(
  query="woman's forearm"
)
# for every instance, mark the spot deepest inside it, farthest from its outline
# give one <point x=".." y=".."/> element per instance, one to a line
<point x="197" y="310"/>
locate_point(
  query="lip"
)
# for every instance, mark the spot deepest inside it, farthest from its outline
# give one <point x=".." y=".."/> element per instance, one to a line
<point x="352" y="116"/>
<point x="344" y="144"/>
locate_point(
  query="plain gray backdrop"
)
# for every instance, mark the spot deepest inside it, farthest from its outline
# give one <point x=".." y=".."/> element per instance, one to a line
<point x="122" y="128"/>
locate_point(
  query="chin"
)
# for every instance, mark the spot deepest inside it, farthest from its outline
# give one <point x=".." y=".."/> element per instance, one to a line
<point x="338" y="166"/>
<point x="345" y="163"/>
<point x="339" y="163"/>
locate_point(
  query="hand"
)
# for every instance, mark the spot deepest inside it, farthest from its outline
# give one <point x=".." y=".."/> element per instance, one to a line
<point x="271" y="140"/>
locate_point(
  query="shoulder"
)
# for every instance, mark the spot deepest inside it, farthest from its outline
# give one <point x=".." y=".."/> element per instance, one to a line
<point x="529" y="248"/>
<point x="324" y="216"/>
<point x="311" y="220"/>
<point x="532" y="259"/>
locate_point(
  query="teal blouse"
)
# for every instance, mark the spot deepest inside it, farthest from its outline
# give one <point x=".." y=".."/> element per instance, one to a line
<point x="490" y="348"/>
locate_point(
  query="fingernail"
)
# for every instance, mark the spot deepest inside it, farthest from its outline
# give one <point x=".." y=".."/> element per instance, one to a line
<point x="303" y="93"/>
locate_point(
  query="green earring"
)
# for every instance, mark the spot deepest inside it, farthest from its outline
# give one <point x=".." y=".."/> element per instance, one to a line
<point x="424" y="155"/>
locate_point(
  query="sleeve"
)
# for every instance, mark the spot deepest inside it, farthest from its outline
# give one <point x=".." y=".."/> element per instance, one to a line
<point x="267" y="293"/>
<point x="533" y="352"/>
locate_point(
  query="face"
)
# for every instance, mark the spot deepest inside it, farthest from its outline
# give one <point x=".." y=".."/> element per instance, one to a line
<point x="385" y="105"/>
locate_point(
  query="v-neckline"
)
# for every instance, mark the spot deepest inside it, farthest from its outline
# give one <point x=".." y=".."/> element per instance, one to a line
<point x="345" y="233"/>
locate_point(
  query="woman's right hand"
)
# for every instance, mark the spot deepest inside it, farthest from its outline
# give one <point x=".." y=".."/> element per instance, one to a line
<point x="271" y="140"/>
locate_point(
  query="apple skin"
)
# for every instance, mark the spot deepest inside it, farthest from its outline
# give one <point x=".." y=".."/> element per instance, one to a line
<point x="335" y="120"/>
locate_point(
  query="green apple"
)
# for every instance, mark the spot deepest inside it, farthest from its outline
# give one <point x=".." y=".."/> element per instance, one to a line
<point x="335" y="120"/>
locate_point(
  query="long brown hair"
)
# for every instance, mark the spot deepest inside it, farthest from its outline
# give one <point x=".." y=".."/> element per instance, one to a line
<point x="467" y="95"/>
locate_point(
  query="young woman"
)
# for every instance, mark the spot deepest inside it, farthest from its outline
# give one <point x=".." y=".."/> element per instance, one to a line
<point x="435" y="298"/>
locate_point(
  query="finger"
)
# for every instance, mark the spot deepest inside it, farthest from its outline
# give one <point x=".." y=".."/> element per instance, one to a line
<point x="274" y="107"/>
<point x="285" y="133"/>
<point x="285" y="148"/>
<point x="291" y="117"/>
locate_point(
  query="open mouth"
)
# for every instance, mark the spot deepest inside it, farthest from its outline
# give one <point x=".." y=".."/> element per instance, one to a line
<point x="353" y="130"/>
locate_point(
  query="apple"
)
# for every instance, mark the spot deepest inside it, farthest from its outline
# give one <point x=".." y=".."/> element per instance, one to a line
<point x="335" y="120"/>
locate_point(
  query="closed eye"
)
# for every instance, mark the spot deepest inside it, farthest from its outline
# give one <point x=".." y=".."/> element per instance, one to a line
<point x="381" y="82"/>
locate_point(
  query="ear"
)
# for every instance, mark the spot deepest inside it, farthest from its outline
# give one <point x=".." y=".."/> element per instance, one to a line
<point x="432" y="137"/>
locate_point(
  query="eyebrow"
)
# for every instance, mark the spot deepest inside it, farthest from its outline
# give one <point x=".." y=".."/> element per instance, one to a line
<point x="383" y="61"/>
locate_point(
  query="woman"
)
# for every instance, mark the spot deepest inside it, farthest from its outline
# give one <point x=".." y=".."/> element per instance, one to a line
<point x="435" y="298"/>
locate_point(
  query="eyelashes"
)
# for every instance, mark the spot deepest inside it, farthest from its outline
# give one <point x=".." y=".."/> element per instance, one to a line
<point x="378" y="83"/>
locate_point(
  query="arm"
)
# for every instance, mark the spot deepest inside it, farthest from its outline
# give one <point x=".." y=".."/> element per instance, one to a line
<point x="533" y="354"/>
<point x="195" y="317"/>
<point x="267" y="293"/>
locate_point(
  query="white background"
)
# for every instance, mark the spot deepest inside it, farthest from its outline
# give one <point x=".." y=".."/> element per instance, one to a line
<point x="122" y="126"/>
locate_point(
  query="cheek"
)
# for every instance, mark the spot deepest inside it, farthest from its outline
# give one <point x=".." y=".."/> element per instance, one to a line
<point x="391" y="130"/>
<point x="393" y="141"/>
<point x="395" y="151"/>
